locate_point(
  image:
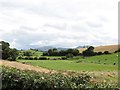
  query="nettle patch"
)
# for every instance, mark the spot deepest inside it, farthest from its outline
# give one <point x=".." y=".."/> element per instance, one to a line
<point x="13" y="79"/>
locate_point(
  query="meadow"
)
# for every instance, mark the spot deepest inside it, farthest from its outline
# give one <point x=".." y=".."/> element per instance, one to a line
<point x="78" y="63"/>
<point x="103" y="68"/>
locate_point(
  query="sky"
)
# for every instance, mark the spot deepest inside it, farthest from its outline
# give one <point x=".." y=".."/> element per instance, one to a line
<point x="58" y="23"/>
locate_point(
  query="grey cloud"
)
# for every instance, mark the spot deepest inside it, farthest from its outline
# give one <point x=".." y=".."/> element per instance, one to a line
<point x="28" y="28"/>
<point x="56" y="23"/>
<point x="57" y="26"/>
<point x="94" y="25"/>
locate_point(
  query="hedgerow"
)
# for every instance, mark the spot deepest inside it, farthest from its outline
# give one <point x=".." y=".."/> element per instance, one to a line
<point x="13" y="79"/>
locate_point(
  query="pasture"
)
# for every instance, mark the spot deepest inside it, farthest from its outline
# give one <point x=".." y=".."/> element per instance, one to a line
<point x="94" y="63"/>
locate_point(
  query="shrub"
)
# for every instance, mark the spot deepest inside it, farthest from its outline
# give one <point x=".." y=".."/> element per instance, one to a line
<point x="35" y="58"/>
<point x="42" y="58"/>
<point x="106" y="52"/>
<point x="114" y="63"/>
<point x="26" y="58"/>
<point x="27" y="53"/>
<point x="117" y="50"/>
<point x="13" y="79"/>
<point x="64" y="58"/>
<point x="19" y="57"/>
<point x="31" y="58"/>
<point x="23" y="58"/>
<point x="99" y="53"/>
<point x="45" y="54"/>
<point x="69" y="55"/>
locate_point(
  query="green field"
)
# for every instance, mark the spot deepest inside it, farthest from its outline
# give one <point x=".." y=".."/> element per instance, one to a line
<point x="110" y="59"/>
<point x="34" y="53"/>
<point x="95" y="63"/>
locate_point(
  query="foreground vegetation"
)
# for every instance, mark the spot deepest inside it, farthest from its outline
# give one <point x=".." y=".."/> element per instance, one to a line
<point x="13" y="79"/>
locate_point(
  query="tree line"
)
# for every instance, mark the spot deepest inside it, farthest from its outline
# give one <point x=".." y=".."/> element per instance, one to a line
<point x="12" y="53"/>
<point x="55" y="52"/>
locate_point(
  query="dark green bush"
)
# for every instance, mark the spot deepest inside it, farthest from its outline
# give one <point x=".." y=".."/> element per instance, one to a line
<point x="35" y="58"/>
<point x="106" y="52"/>
<point x="69" y="55"/>
<point x="64" y="58"/>
<point x="26" y="58"/>
<point x="19" y="57"/>
<point x="31" y="58"/>
<point x="42" y="58"/>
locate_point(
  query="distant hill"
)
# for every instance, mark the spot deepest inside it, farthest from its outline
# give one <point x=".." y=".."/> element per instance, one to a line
<point x="110" y="48"/>
<point x="86" y="46"/>
<point x="46" y="48"/>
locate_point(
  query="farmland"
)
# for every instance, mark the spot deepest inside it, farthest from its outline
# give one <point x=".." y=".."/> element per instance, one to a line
<point x="110" y="48"/>
<point x="95" y="63"/>
<point x="105" y="65"/>
<point x="57" y="69"/>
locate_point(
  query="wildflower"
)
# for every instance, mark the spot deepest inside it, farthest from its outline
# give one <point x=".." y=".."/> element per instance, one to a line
<point x="42" y="77"/>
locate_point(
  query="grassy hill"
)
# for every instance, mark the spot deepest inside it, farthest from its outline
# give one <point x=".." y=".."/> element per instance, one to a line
<point x="110" y="48"/>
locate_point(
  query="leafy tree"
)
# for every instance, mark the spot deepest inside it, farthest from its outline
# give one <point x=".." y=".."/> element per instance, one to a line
<point x="7" y="52"/>
<point x="91" y="48"/>
<point x="13" y="54"/>
<point x="69" y="55"/>
<point x="75" y="52"/>
<point x="55" y="52"/>
<point x="89" y="51"/>
<point x="50" y="52"/>
<point x="27" y="53"/>
<point x="62" y="53"/>
<point x="45" y="53"/>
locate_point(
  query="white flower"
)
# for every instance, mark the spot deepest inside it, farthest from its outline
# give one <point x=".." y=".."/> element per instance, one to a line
<point x="42" y="77"/>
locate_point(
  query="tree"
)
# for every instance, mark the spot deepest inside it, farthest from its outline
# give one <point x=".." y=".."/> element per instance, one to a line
<point x="75" y="52"/>
<point x="91" y="48"/>
<point x="89" y="51"/>
<point x="27" y="53"/>
<point x="50" y="52"/>
<point x="45" y="53"/>
<point x="7" y="52"/>
<point x="69" y="55"/>
<point x="13" y="54"/>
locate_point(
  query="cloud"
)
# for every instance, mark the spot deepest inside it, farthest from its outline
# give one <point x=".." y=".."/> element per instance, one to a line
<point x="61" y="23"/>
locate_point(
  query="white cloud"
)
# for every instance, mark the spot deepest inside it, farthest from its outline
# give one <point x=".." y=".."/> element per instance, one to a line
<point x="66" y="23"/>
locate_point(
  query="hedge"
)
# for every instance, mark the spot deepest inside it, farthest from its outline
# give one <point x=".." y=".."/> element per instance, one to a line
<point x="13" y="79"/>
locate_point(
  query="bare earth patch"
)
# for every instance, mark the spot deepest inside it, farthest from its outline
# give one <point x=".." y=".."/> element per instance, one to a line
<point x="22" y="66"/>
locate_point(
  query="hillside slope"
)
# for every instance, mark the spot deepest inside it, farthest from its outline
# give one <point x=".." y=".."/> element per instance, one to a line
<point x="110" y="48"/>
